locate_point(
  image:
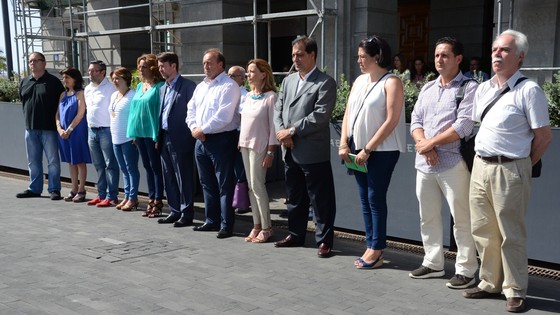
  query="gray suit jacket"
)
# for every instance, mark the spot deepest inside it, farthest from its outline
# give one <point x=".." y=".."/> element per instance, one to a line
<point x="309" y="112"/>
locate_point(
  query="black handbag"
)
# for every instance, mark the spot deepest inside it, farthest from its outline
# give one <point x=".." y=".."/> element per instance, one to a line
<point x="467" y="145"/>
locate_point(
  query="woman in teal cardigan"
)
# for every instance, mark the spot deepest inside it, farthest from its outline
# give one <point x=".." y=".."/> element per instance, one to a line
<point x="143" y="127"/>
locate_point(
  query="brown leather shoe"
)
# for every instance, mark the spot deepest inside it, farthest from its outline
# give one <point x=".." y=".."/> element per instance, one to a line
<point x="478" y="293"/>
<point x="289" y="241"/>
<point x="324" y="251"/>
<point x="515" y="304"/>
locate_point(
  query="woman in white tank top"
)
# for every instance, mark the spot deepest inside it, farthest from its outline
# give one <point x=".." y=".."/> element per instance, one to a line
<point x="374" y="130"/>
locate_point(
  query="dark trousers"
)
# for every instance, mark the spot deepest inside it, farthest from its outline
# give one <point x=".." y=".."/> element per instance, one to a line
<point x="215" y="158"/>
<point x="152" y="163"/>
<point x="178" y="170"/>
<point x="310" y="184"/>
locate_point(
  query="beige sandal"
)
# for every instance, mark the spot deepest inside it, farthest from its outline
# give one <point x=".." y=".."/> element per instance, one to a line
<point x="263" y="236"/>
<point x="254" y="233"/>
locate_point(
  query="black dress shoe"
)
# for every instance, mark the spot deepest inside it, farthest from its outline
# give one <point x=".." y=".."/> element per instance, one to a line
<point x="242" y="210"/>
<point x="55" y="195"/>
<point x="224" y="234"/>
<point x="182" y="223"/>
<point x="168" y="220"/>
<point x="324" y="251"/>
<point x="206" y="227"/>
<point x="289" y="241"/>
<point x="28" y="194"/>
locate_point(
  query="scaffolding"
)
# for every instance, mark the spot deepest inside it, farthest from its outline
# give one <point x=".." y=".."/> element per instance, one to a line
<point x="36" y="18"/>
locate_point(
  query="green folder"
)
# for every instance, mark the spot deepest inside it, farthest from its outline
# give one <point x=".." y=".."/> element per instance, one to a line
<point x="354" y="166"/>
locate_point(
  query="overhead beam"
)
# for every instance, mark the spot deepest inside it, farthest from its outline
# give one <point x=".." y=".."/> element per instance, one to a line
<point x="229" y="21"/>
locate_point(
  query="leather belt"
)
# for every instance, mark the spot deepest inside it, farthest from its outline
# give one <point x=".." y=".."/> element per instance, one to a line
<point x="496" y="159"/>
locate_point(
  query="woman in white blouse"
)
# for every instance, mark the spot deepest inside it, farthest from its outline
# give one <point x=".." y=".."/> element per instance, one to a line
<point x="257" y="143"/>
<point x="125" y="151"/>
<point x="374" y="129"/>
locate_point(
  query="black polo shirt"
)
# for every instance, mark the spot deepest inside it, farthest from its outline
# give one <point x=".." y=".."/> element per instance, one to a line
<point x="40" y="98"/>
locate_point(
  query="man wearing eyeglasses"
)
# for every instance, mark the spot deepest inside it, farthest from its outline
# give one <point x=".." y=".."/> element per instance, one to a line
<point x="98" y="96"/>
<point x="237" y="73"/>
<point x="40" y="94"/>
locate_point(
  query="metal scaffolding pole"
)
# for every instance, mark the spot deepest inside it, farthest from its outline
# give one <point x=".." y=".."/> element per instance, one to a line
<point x="154" y="26"/>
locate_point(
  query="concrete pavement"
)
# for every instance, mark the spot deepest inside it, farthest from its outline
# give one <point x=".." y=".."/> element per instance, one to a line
<point x="65" y="258"/>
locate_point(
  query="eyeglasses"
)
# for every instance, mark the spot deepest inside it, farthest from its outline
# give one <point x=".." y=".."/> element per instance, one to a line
<point x="236" y="76"/>
<point x="36" y="60"/>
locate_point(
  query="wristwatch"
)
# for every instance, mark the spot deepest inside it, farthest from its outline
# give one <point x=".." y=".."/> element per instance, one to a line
<point x="292" y="131"/>
<point x="368" y="152"/>
<point x="70" y="129"/>
<point x="270" y="153"/>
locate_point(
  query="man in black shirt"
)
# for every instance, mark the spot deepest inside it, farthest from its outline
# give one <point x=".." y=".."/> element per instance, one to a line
<point x="40" y="95"/>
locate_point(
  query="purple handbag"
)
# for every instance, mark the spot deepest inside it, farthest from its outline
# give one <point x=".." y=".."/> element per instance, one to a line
<point x="241" y="196"/>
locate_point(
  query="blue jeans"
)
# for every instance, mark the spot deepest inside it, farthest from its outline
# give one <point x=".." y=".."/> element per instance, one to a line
<point x="106" y="165"/>
<point x="127" y="156"/>
<point x="152" y="163"/>
<point x="215" y="158"/>
<point x="372" y="189"/>
<point x="37" y="141"/>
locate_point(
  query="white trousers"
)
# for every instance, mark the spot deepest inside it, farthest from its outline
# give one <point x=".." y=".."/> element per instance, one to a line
<point x="256" y="180"/>
<point x="453" y="184"/>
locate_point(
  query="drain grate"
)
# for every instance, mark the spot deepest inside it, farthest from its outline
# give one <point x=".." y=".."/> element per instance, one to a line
<point x="134" y="249"/>
<point x="416" y="249"/>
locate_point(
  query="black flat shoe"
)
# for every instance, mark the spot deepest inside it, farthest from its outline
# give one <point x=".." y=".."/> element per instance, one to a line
<point x="168" y="220"/>
<point x="182" y="223"/>
<point x="28" y="194"/>
<point x="206" y="228"/>
<point x="224" y="234"/>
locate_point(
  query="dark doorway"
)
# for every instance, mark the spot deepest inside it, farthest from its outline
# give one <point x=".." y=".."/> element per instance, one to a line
<point x="413" y="29"/>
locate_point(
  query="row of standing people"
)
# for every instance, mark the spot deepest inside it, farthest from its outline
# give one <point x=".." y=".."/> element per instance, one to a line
<point x="373" y="129"/>
<point x="488" y="206"/>
<point x="120" y="124"/>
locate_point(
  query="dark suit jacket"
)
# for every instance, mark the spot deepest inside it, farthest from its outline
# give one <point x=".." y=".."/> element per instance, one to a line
<point x="179" y="133"/>
<point x="309" y="112"/>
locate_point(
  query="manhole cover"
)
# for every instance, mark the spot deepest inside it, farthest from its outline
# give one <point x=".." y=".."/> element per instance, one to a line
<point x="134" y="249"/>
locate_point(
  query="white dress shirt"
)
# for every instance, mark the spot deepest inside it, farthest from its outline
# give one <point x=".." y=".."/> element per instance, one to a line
<point x="214" y="106"/>
<point x="98" y="99"/>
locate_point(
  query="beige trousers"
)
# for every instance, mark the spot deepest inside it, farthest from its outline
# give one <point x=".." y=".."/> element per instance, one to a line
<point x="256" y="180"/>
<point x="499" y="196"/>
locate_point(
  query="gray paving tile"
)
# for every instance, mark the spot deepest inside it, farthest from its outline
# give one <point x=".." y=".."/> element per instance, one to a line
<point x="66" y="258"/>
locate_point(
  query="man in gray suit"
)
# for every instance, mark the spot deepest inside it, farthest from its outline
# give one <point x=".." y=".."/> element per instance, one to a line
<point x="301" y="119"/>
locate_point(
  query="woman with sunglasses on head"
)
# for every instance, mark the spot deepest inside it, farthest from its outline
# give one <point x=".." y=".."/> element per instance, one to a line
<point x="73" y="134"/>
<point x="125" y="150"/>
<point x="374" y="130"/>
<point x="143" y="127"/>
<point x="257" y="143"/>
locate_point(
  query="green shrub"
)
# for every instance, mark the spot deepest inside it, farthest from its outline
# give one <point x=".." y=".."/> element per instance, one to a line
<point x="552" y="91"/>
<point x="9" y="90"/>
<point x="342" y="92"/>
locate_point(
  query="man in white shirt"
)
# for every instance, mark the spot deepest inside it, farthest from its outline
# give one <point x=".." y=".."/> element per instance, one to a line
<point x="513" y="136"/>
<point x="98" y="96"/>
<point x="213" y="118"/>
